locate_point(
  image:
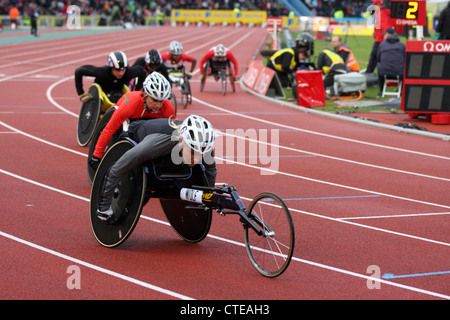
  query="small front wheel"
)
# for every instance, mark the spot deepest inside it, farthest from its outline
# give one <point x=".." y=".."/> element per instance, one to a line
<point x="271" y="252"/>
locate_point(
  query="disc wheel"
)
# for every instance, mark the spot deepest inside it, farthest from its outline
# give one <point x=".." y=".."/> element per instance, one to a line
<point x="205" y="75"/>
<point x="231" y="75"/>
<point x="271" y="252"/>
<point x="88" y="118"/>
<point x="127" y="203"/>
<point x="173" y="100"/>
<point x="98" y="131"/>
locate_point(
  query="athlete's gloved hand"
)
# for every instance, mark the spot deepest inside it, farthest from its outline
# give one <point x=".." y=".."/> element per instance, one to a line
<point x="94" y="162"/>
<point x="85" y="97"/>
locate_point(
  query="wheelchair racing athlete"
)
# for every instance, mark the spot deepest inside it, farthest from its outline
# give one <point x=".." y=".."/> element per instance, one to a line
<point x="218" y="56"/>
<point x="174" y="59"/>
<point x="111" y="78"/>
<point x="191" y="140"/>
<point x="153" y="62"/>
<point x="150" y="102"/>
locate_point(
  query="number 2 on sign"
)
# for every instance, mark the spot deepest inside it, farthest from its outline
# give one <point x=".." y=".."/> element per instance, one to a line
<point x="411" y="12"/>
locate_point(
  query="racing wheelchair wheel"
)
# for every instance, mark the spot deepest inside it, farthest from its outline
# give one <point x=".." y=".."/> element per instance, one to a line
<point x="223" y="79"/>
<point x="190" y="223"/>
<point x="128" y="200"/>
<point x="205" y="75"/>
<point x="231" y="75"/>
<point x="88" y="118"/>
<point x="98" y="131"/>
<point x="271" y="252"/>
<point x="173" y="100"/>
<point x="185" y="88"/>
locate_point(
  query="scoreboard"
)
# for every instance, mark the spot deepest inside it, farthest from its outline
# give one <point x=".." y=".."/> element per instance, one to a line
<point x="408" y="13"/>
<point x="426" y="84"/>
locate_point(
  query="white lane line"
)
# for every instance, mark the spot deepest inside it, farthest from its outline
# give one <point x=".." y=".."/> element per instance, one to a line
<point x="97" y="268"/>
<point x="270" y="171"/>
<point x="323" y="266"/>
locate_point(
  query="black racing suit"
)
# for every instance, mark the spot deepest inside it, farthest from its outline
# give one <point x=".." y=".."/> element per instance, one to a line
<point x="106" y="80"/>
<point x="155" y="138"/>
<point x="161" y="69"/>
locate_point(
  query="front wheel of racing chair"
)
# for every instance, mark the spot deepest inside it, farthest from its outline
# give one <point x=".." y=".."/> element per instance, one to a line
<point x="128" y="199"/>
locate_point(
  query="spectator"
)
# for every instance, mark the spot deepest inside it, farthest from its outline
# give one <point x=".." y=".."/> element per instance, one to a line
<point x="390" y="57"/>
<point x="443" y="26"/>
<point x="384" y="24"/>
<point x="34" y="15"/>
<point x="13" y="15"/>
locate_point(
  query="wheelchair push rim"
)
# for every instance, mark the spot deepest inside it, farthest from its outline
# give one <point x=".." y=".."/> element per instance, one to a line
<point x="97" y="132"/>
<point x="127" y="203"/>
<point x="88" y="118"/>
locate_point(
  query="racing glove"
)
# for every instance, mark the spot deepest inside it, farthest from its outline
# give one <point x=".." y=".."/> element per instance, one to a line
<point x="85" y="97"/>
<point x="94" y="162"/>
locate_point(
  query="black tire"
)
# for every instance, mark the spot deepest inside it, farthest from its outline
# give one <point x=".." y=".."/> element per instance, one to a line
<point x="88" y="118"/>
<point x="173" y="100"/>
<point x="98" y="131"/>
<point x="205" y="75"/>
<point x="127" y="203"/>
<point x="191" y="225"/>
<point x="271" y="252"/>
<point x="223" y="79"/>
<point x="184" y="96"/>
<point x="231" y="75"/>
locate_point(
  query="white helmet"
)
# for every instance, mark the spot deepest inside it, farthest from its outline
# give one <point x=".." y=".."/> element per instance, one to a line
<point x="198" y="134"/>
<point x="220" y="51"/>
<point x="157" y="86"/>
<point x="175" y="48"/>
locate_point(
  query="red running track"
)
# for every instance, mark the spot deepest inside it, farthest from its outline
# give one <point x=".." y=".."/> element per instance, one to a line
<point x="360" y="196"/>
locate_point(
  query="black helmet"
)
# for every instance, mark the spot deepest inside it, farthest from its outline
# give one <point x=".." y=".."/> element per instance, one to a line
<point x="305" y="41"/>
<point x="117" y="60"/>
<point x="153" y="59"/>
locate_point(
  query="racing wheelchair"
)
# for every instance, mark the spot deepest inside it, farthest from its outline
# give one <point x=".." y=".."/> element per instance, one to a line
<point x="101" y="126"/>
<point x="188" y="203"/>
<point x="91" y="112"/>
<point x="220" y="70"/>
<point x="181" y="79"/>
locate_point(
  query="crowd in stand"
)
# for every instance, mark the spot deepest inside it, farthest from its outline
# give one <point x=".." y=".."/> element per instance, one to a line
<point x="144" y="8"/>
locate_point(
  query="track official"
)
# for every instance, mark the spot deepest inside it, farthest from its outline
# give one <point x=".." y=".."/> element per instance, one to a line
<point x="285" y="62"/>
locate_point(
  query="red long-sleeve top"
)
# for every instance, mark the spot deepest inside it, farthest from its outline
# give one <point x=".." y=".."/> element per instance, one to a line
<point x="130" y="106"/>
<point x="229" y="56"/>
